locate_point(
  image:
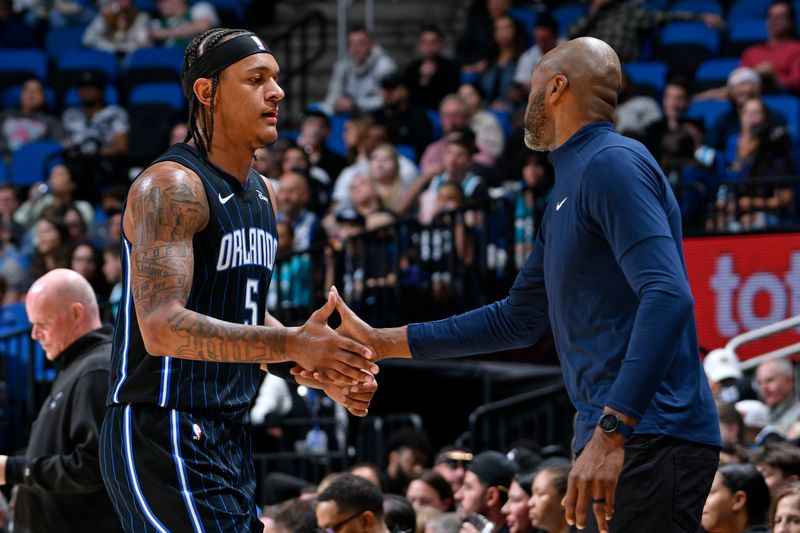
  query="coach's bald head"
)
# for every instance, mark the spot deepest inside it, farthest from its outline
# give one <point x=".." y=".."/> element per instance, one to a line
<point x="574" y="84"/>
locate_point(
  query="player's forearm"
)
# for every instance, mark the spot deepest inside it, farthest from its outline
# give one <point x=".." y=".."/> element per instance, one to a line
<point x="190" y="335"/>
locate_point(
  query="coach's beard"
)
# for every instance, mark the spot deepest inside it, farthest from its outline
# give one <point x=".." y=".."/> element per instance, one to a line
<point x="536" y="124"/>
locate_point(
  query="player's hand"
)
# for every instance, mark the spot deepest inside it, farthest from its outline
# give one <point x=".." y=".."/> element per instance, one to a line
<point x="318" y="348"/>
<point x="355" y="399"/>
<point x="352" y="327"/>
<point x="594" y="477"/>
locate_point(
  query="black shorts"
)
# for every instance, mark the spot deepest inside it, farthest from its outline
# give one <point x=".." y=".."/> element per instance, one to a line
<point x="173" y="471"/>
<point x="663" y="486"/>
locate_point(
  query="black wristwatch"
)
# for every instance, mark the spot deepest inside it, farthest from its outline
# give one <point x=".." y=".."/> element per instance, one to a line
<point x="611" y="423"/>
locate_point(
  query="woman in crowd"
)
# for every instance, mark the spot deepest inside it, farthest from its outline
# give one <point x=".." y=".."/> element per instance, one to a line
<point x="51" y="249"/>
<point x="548" y="489"/>
<point x="784" y="515"/>
<point x="489" y="132"/>
<point x="384" y="169"/>
<point x="738" y="501"/>
<point x="517" y="508"/>
<point x="430" y="489"/>
<point x="118" y="27"/>
<point x="29" y="122"/>
<point x="498" y="80"/>
<point x="760" y="150"/>
<point x="87" y="260"/>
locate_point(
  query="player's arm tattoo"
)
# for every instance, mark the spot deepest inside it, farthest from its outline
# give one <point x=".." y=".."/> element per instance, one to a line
<point x="208" y="339"/>
<point x="166" y="211"/>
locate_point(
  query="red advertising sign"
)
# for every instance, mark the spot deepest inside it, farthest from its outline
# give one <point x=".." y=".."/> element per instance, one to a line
<point x="743" y="282"/>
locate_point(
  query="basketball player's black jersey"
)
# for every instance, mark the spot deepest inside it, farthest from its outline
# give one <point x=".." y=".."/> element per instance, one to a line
<point x="233" y="261"/>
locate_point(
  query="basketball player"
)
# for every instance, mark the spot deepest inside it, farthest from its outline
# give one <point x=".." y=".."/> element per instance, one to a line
<point x="607" y="275"/>
<point x="198" y="249"/>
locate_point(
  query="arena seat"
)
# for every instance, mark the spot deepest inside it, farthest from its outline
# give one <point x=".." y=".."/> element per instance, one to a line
<point x="714" y="72"/>
<point x="33" y="161"/>
<point x="743" y="33"/>
<point x="747" y="9"/>
<point x="16" y="66"/>
<point x="698" y="6"/>
<point x="651" y="75"/>
<point x="708" y="110"/>
<point x="71" y="63"/>
<point x="789" y="106"/>
<point x="684" y="45"/>
<point x="167" y="93"/>
<point x="154" y="64"/>
<point x="567" y="14"/>
<point x="60" y="39"/>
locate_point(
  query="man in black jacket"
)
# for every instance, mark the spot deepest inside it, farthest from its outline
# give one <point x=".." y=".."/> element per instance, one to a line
<point x="58" y="478"/>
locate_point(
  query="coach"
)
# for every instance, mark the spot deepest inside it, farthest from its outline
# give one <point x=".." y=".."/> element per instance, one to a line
<point x="607" y="275"/>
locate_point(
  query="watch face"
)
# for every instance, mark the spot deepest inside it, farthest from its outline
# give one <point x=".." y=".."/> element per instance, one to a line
<point x="608" y="422"/>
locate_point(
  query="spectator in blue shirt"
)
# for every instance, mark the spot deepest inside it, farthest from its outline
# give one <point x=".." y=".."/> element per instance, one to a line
<point x="607" y="275"/>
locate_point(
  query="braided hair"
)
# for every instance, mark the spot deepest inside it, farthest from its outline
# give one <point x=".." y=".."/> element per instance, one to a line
<point x="200" y="45"/>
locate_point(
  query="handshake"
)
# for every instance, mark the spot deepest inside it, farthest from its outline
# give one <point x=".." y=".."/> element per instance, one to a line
<point x="342" y="362"/>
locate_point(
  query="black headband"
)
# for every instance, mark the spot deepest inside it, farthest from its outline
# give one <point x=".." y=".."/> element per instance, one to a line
<point x="221" y="56"/>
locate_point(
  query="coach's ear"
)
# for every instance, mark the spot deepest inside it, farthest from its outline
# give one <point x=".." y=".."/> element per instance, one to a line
<point x="202" y="90"/>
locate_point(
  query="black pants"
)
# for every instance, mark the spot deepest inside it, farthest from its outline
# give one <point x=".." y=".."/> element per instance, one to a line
<point x="663" y="486"/>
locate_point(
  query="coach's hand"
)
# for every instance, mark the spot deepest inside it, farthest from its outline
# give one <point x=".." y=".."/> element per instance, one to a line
<point x="352" y="327"/>
<point x="318" y="348"/>
<point x="594" y="477"/>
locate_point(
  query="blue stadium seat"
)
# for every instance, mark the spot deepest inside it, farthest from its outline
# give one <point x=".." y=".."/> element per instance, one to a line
<point x="436" y="123"/>
<point x="684" y="45"/>
<point x="652" y="74"/>
<point x="788" y="106"/>
<point x="156" y="57"/>
<point x="149" y="6"/>
<point x="714" y="72"/>
<point x="694" y="33"/>
<point x="33" y="162"/>
<point x="60" y="39"/>
<point x="335" y="139"/>
<point x="708" y="110"/>
<point x="79" y="60"/>
<point x="567" y="14"/>
<point x="748" y="9"/>
<point x="18" y="65"/>
<point x="526" y="17"/>
<point x="743" y="33"/>
<point x="3" y="172"/>
<point x="698" y="6"/>
<point x="505" y="120"/>
<point x="148" y="65"/>
<point x="168" y="93"/>
<point x="10" y="97"/>
<point x="408" y="151"/>
<point x="110" y="94"/>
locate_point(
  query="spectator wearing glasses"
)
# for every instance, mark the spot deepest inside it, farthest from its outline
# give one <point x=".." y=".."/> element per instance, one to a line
<point x="350" y="504"/>
<point x="451" y="463"/>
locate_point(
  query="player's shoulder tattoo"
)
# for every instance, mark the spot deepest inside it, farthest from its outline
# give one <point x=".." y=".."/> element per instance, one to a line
<point x="167" y="203"/>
